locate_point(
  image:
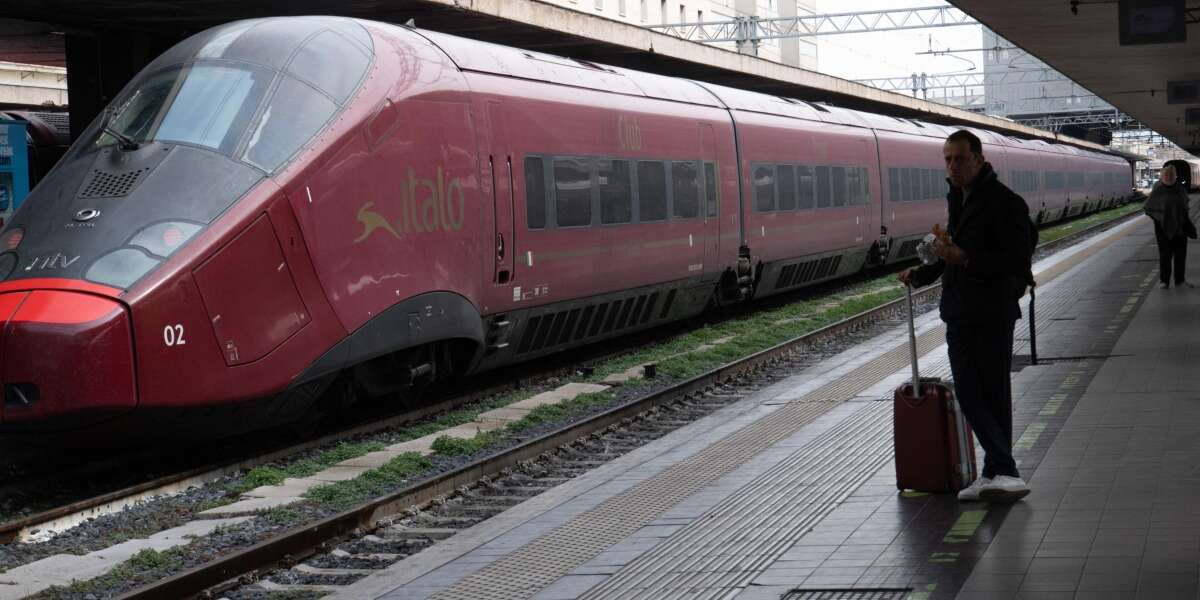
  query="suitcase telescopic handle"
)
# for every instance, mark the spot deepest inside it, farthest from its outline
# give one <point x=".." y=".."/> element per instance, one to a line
<point x="912" y="344"/>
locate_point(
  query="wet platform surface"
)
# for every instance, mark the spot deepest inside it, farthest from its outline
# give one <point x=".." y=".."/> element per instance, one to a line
<point x="790" y="493"/>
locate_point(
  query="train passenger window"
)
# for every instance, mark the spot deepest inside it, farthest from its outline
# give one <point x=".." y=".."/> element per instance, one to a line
<point x="1075" y="179"/>
<point x="787" y="187"/>
<point x="804" y="181"/>
<point x="685" y="189"/>
<point x="824" y="188"/>
<point x="926" y="189"/>
<point x="615" y="187"/>
<point x="764" y="188"/>
<point x="839" y="186"/>
<point x="854" y="185"/>
<point x="652" y="191"/>
<point x="710" y="188"/>
<point x="906" y="185"/>
<point x="535" y="193"/>
<point x="894" y="185"/>
<point x="573" y="192"/>
<point x="914" y="184"/>
<point x="860" y="192"/>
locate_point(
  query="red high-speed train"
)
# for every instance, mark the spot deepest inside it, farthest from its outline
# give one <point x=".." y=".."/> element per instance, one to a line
<point x="275" y="203"/>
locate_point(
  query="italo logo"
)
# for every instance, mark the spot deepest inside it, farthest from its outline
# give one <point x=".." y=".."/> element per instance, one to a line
<point x="426" y="206"/>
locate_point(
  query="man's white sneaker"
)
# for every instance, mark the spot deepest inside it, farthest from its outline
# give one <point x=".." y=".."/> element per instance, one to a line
<point x="1004" y="489"/>
<point x="971" y="492"/>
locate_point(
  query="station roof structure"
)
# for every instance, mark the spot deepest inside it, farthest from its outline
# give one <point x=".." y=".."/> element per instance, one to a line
<point x="522" y="23"/>
<point x="1085" y="46"/>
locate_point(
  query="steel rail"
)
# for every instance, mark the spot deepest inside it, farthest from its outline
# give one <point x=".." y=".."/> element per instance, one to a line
<point x="299" y="542"/>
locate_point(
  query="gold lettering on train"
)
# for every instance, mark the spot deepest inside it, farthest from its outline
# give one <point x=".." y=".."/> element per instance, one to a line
<point x="629" y="134"/>
<point x="426" y="206"/>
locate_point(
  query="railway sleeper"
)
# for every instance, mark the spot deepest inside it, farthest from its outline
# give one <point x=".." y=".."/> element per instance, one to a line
<point x="438" y="522"/>
<point x="271" y="586"/>
<point x="397" y="532"/>
<point x="306" y="569"/>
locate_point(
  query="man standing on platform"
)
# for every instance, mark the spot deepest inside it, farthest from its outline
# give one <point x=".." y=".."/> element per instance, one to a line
<point x="985" y="265"/>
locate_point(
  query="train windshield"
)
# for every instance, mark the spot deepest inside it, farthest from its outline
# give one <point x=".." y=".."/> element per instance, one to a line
<point x="208" y="105"/>
<point x="252" y="113"/>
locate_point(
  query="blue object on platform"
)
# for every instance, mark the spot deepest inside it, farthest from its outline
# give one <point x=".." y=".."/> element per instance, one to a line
<point x="14" y="167"/>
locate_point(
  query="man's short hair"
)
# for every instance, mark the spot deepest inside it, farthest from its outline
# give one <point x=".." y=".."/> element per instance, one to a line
<point x="971" y="139"/>
<point x="1170" y="168"/>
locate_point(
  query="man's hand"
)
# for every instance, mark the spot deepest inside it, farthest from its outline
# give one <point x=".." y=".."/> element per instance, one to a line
<point x="947" y="251"/>
<point x="905" y="276"/>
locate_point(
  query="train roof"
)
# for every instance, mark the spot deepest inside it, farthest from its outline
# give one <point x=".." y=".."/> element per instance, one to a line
<point x="506" y="61"/>
<point x="495" y="59"/>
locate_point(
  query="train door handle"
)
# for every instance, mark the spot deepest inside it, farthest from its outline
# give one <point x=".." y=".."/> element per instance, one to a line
<point x="500" y="246"/>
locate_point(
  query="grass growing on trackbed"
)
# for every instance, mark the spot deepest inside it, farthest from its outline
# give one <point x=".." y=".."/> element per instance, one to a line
<point x="1050" y="234"/>
<point x="677" y="359"/>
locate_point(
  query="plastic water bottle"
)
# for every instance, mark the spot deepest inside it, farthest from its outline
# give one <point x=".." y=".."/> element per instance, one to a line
<point x="925" y="250"/>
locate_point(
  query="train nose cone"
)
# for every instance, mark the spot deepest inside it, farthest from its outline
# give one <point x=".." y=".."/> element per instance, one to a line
<point x="66" y="360"/>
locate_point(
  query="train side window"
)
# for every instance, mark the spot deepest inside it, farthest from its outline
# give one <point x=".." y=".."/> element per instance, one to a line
<point x="906" y="185"/>
<point x="804" y="181"/>
<point x="710" y="188"/>
<point x="853" y="187"/>
<point x="914" y="184"/>
<point x="615" y="188"/>
<point x="764" y="188"/>
<point x="926" y="191"/>
<point x="652" y="191"/>
<point x="839" y="186"/>
<point x="787" y="187"/>
<point x="865" y="177"/>
<point x="824" y="188"/>
<point x="685" y="189"/>
<point x="535" y="193"/>
<point x="573" y="192"/>
<point x="894" y="185"/>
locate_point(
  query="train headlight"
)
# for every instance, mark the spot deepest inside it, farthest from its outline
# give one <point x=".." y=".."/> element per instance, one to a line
<point x="163" y="239"/>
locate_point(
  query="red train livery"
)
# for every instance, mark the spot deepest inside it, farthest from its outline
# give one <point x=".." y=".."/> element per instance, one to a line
<point x="276" y="203"/>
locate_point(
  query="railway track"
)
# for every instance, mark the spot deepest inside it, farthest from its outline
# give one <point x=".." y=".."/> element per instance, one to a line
<point x="319" y="558"/>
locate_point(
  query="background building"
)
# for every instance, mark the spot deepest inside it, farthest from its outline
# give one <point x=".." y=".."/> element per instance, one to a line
<point x="795" y="52"/>
<point x="28" y="86"/>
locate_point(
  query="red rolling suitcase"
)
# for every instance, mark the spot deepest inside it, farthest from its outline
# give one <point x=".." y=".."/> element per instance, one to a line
<point x="935" y="451"/>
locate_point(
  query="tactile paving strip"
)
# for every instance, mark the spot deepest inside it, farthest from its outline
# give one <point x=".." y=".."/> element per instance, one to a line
<point x="731" y="544"/>
<point x="530" y="568"/>
<point x="872" y="372"/>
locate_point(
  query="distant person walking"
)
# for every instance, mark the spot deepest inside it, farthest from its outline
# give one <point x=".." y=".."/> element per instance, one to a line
<point x="1167" y="206"/>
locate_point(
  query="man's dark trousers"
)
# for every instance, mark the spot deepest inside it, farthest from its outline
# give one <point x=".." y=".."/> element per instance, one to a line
<point x="1170" y="249"/>
<point x="981" y="359"/>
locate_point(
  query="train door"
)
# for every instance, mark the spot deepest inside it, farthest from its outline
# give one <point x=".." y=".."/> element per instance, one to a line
<point x="861" y="193"/>
<point x="498" y="183"/>
<point x="711" y="210"/>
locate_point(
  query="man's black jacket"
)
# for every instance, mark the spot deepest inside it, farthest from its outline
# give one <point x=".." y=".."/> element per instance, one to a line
<point x="992" y="227"/>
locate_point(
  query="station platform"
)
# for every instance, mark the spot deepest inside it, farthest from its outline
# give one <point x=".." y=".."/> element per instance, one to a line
<point x="790" y="493"/>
